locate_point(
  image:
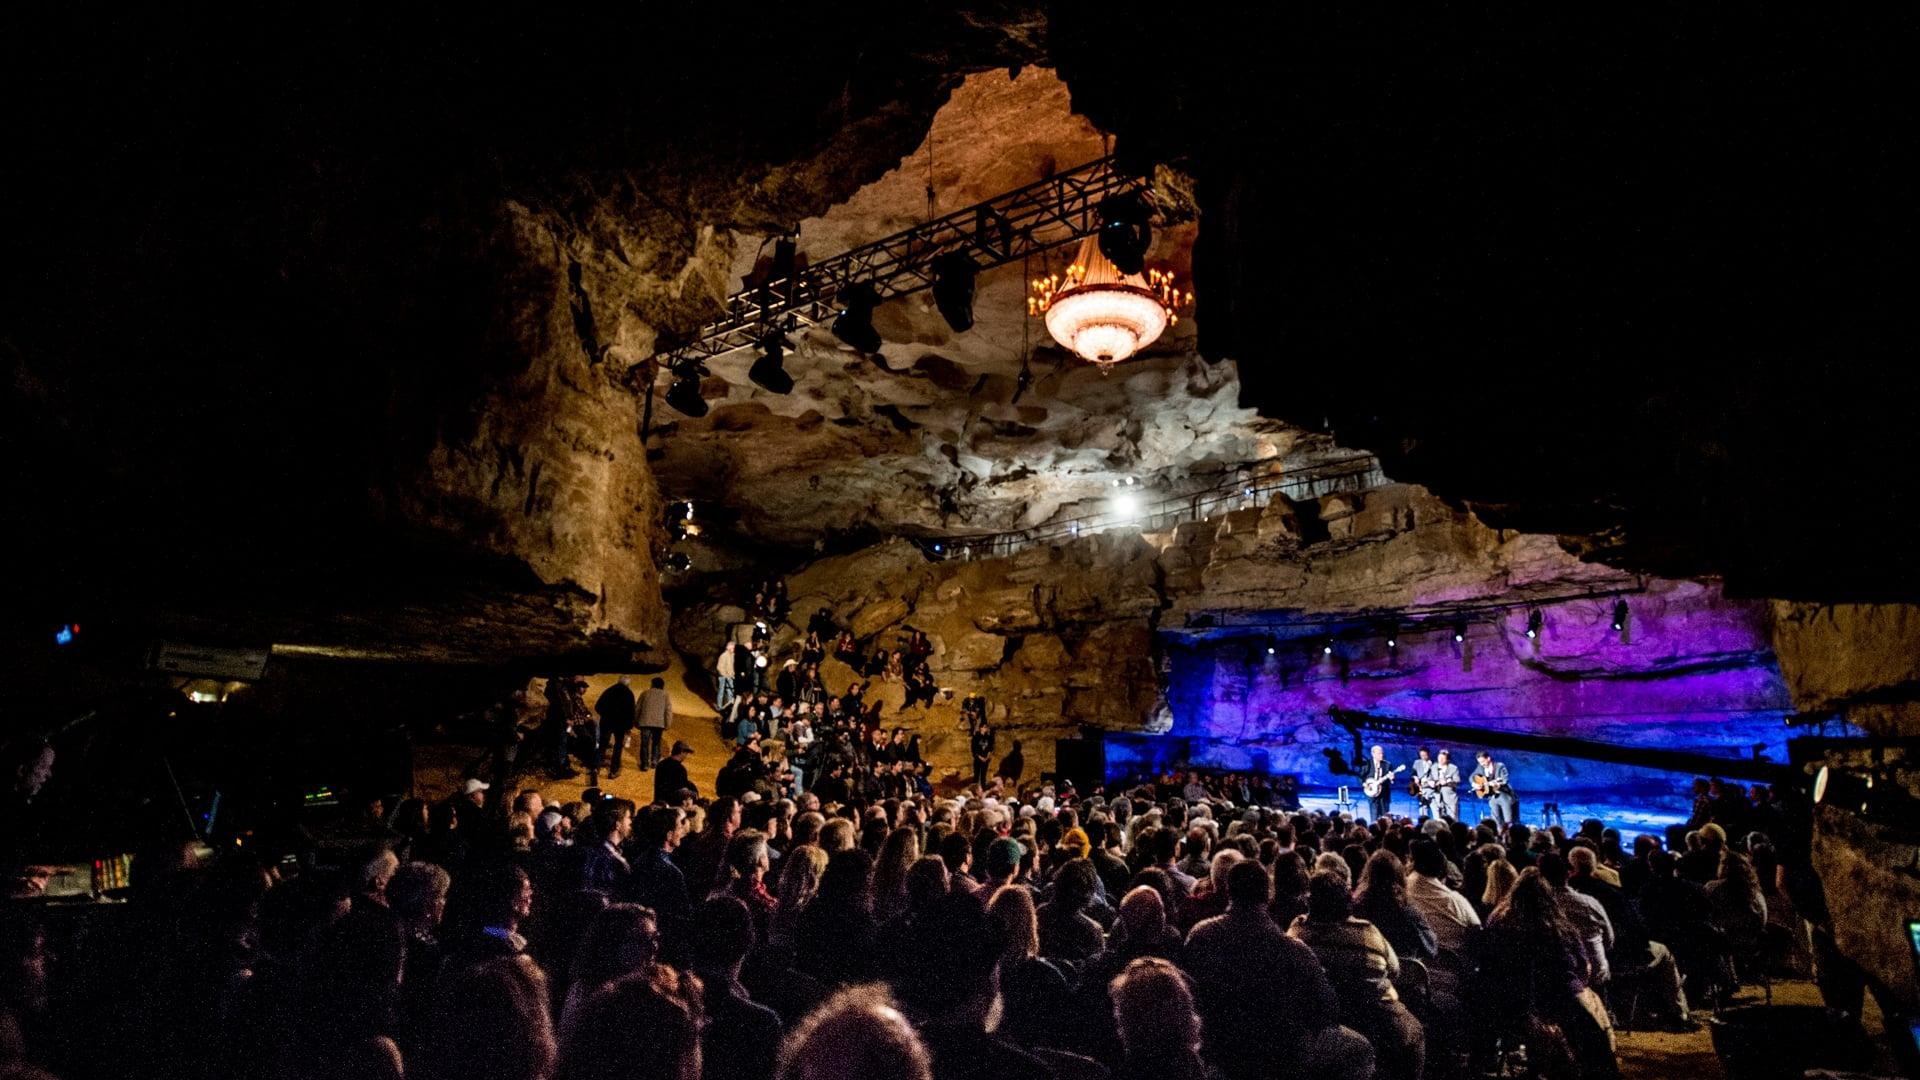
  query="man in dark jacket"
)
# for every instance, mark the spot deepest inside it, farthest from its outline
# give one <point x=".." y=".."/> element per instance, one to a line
<point x="670" y="778"/>
<point x="616" y="720"/>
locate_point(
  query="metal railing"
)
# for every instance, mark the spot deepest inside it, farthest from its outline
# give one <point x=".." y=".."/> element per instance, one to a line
<point x="1244" y="491"/>
<point x="1007" y="228"/>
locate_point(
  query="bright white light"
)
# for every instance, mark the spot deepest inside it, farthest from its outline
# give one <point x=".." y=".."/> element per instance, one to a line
<point x="1126" y="505"/>
<point x="1269" y="650"/>
<point x="759" y="661"/>
<point x="1106" y="323"/>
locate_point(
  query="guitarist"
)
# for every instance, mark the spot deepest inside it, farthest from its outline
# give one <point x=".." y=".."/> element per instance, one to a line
<point x="1421" y="787"/>
<point x="1377" y="776"/>
<point x="1490" y="783"/>
<point x="1445" y="784"/>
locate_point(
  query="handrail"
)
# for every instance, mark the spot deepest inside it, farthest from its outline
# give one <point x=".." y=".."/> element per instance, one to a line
<point x="1356" y="473"/>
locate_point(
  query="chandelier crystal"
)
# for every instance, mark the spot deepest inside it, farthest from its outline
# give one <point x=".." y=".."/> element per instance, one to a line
<point x="1102" y="315"/>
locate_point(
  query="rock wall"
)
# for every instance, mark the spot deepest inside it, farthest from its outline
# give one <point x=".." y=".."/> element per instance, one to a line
<point x="1163" y="633"/>
<point x="1862" y="663"/>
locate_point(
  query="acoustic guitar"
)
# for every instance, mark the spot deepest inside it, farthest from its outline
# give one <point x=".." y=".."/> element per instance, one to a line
<point x="1373" y="786"/>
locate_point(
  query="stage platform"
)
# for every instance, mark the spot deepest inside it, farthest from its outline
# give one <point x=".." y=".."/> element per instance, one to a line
<point x="1575" y="807"/>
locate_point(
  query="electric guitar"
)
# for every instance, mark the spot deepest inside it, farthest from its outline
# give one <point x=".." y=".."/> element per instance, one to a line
<point x="1373" y="786"/>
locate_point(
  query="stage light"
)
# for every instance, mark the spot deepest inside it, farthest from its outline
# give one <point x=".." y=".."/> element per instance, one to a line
<point x="953" y="275"/>
<point x="679" y="561"/>
<point x="1834" y="788"/>
<point x="686" y="509"/>
<point x="768" y="372"/>
<point x="1126" y="505"/>
<point x="1125" y="232"/>
<point x="854" y="324"/>
<point x="1326" y="647"/>
<point x="1620" y="615"/>
<point x="1270" y="650"/>
<point x="1393" y="640"/>
<point x="1534" y="621"/>
<point x="936" y="549"/>
<point x="684" y="394"/>
<point x="1459" y="632"/>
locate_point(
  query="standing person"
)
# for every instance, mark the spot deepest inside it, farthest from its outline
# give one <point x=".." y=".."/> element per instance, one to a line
<point x="1380" y="804"/>
<point x="982" y="745"/>
<point x="1446" y="787"/>
<point x="1502" y="806"/>
<point x="1423" y="792"/>
<point x="1014" y="764"/>
<point x="724" y="670"/>
<point x="553" y="732"/>
<point x="671" y="779"/>
<point x="653" y="716"/>
<point x="615" y="706"/>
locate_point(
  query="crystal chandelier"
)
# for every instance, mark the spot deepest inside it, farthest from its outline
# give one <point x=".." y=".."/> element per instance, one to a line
<point x="1102" y="315"/>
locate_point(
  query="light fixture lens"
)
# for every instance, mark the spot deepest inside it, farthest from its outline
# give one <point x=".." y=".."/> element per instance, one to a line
<point x="1126" y="505"/>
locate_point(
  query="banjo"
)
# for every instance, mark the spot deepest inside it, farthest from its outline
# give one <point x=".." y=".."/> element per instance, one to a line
<point x="1373" y="786"/>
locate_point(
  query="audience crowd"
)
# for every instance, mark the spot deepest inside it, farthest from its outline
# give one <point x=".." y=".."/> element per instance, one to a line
<point x="857" y="933"/>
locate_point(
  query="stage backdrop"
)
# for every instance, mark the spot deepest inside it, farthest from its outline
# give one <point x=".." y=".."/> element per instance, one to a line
<point x="1696" y="673"/>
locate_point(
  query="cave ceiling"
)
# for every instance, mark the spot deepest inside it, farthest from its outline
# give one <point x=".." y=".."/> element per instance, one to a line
<point x="307" y="301"/>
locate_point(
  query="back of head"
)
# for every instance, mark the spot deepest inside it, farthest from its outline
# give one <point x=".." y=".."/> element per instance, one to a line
<point x="1248" y="886"/>
<point x="1153" y="1010"/>
<point x="837" y="836"/>
<point x="722" y="933"/>
<point x="848" y="880"/>
<point x="1223" y="861"/>
<point x="1582" y="860"/>
<point x="1013" y="906"/>
<point x="926" y="882"/>
<point x="1075" y="884"/>
<point x="491" y="1022"/>
<point x="1143" y="914"/>
<point x="416" y="891"/>
<point x="1327" y="897"/>
<point x="1553" y="867"/>
<point x="960" y="945"/>
<point x="1428" y="861"/>
<point x="1382" y="879"/>
<point x="858" y="1033"/>
<point x="644" y="1023"/>
<point x="1003" y="857"/>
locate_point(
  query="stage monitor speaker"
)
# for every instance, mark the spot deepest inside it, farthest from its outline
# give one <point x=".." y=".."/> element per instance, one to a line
<point x="1083" y="761"/>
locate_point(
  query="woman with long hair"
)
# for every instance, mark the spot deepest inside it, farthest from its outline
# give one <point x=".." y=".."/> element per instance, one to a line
<point x="492" y="1022"/>
<point x="833" y="940"/>
<point x="799" y="883"/>
<point x="1501" y="877"/>
<point x="1533" y="971"/>
<point x="1381" y="899"/>
<point x="900" y="851"/>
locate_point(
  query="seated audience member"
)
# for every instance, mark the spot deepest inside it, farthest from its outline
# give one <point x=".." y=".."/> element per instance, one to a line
<point x="1532" y="973"/>
<point x="652" y="1017"/>
<point x="1382" y="900"/>
<point x="1362" y="966"/>
<point x="1159" y="1027"/>
<point x="1261" y="994"/>
<point x="741" y="1036"/>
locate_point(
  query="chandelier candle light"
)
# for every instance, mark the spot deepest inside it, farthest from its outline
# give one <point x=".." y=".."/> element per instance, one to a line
<point x="1102" y="315"/>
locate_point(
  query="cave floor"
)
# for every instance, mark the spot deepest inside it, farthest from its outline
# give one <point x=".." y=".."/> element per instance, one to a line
<point x="1647" y="1055"/>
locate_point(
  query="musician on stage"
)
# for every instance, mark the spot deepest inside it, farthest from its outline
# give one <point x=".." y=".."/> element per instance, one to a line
<point x="1377" y="780"/>
<point x="1423" y="792"/>
<point x="1490" y="783"/>
<point x="1444" y="782"/>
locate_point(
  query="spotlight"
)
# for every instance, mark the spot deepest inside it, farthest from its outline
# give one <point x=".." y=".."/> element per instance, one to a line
<point x="1393" y="639"/>
<point x="679" y="562"/>
<point x="1270" y="650"/>
<point x="1620" y="613"/>
<point x="1125" y="232"/>
<point x="953" y="275"/>
<point x="1836" y="788"/>
<point x="1326" y="647"/>
<point x="687" y="510"/>
<point x="1534" y="621"/>
<point x="936" y="549"/>
<point x="684" y="394"/>
<point x="1459" y="632"/>
<point x="768" y="372"/>
<point x="854" y="324"/>
<point x="1126" y="505"/>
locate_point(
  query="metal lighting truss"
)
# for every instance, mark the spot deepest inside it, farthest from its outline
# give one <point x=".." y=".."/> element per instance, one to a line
<point x="1007" y="228"/>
